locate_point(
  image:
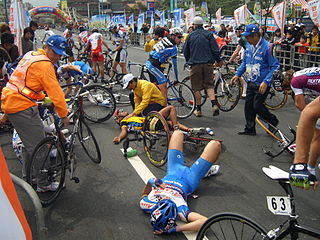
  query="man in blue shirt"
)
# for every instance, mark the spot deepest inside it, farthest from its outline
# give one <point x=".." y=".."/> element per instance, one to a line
<point x="201" y="52"/>
<point x="257" y="68"/>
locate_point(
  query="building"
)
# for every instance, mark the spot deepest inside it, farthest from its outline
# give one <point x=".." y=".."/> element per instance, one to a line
<point x="84" y="7"/>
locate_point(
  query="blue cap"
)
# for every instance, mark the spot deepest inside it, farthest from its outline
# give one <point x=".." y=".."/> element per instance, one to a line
<point x="58" y="44"/>
<point x="250" y="29"/>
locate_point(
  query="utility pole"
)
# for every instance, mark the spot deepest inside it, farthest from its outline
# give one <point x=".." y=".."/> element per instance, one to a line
<point x="88" y="8"/>
<point x="5" y="11"/>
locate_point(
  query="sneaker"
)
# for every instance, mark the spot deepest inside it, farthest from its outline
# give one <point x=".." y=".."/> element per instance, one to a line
<point x="198" y="131"/>
<point x="51" y="187"/>
<point x="215" y="110"/>
<point x="214" y="170"/>
<point x="197" y="113"/>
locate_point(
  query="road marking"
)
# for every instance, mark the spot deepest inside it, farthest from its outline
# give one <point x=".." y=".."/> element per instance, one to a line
<point x="139" y="48"/>
<point x="145" y="174"/>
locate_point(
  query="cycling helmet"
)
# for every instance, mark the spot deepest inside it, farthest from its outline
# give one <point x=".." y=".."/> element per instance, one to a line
<point x="164" y="216"/>
<point x="95" y="30"/>
<point x="175" y="31"/>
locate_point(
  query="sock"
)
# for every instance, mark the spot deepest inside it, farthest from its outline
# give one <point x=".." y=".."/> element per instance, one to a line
<point x="312" y="170"/>
<point x="213" y="102"/>
<point x="198" y="107"/>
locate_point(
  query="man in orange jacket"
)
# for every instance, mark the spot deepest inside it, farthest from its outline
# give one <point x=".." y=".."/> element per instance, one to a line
<point x="34" y="74"/>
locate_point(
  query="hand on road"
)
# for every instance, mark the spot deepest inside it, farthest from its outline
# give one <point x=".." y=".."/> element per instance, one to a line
<point x="116" y="140"/>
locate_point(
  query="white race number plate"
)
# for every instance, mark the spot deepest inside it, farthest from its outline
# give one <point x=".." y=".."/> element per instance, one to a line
<point x="279" y="205"/>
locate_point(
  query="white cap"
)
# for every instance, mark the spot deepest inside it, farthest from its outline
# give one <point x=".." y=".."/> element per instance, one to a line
<point x="126" y="79"/>
<point x="198" y="20"/>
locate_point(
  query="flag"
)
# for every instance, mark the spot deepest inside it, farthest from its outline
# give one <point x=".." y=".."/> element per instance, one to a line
<point x="218" y="15"/>
<point x="152" y="21"/>
<point x="177" y="17"/>
<point x="14" y="224"/>
<point x="240" y="15"/>
<point x="190" y="14"/>
<point x="162" y="19"/>
<point x="204" y="9"/>
<point x="314" y="8"/>
<point x="131" y="20"/>
<point x="256" y="8"/>
<point x="17" y="21"/>
<point x="140" y="22"/>
<point x="278" y="13"/>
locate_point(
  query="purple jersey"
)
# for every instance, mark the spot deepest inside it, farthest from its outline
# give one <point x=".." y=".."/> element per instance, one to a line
<point x="306" y="79"/>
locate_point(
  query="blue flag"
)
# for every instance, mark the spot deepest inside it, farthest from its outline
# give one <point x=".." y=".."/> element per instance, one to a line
<point x="162" y="19"/>
<point x="177" y="17"/>
<point x="140" y="21"/>
<point x="131" y="20"/>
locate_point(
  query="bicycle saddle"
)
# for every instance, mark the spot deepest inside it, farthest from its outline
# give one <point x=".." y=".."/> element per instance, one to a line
<point x="275" y="173"/>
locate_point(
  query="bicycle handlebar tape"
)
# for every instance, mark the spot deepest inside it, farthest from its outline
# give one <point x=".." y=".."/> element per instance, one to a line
<point x="132" y="153"/>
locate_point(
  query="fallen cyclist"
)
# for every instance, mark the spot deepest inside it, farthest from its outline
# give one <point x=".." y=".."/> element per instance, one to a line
<point x="166" y="199"/>
<point x="136" y="123"/>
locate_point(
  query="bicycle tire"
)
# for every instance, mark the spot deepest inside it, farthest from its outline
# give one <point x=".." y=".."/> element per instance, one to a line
<point x="275" y="99"/>
<point x="204" y="95"/>
<point x="115" y="85"/>
<point x="156" y="136"/>
<point x="182" y="97"/>
<point x="47" y="151"/>
<point x="227" y="95"/>
<point x="85" y="136"/>
<point x="108" y="67"/>
<point x="266" y="125"/>
<point x="231" y="226"/>
<point x="99" y="105"/>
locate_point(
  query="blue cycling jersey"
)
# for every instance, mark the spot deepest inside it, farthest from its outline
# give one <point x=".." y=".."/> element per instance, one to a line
<point x="85" y="69"/>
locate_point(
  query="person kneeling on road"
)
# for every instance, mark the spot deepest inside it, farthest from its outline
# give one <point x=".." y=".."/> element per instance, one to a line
<point x="146" y="96"/>
<point x="166" y="199"/>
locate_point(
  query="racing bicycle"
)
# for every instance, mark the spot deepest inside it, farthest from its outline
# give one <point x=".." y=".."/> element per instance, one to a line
<point x="155" y="135"/>
<point x="230" y="226"/>
<point x="286" y="144"/>
<point x="54" y="154"/>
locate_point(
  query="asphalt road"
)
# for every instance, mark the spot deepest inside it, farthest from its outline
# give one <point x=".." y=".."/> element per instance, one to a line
<point x="104" y="205"/>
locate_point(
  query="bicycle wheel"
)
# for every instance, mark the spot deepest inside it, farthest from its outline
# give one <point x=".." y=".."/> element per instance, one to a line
<point x="89" y="142"/>
<point x="227" y="95"/>
<point x="46" y="170"/>
<point x="272" y="130"/>
<point x="204" y="95"/>
<point x="181" y="96"/>
<point x="156" y="137"/>
<point x="99" y="105"/>
<point x="231" y="226"/>
<point x="108" y="67"/>
<point x="276" y="100"/>
<point x="121" y="95"/>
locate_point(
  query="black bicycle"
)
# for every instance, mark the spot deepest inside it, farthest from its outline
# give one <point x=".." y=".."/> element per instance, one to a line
<point x="54" y="155"/>
<point x="229" y="226"/>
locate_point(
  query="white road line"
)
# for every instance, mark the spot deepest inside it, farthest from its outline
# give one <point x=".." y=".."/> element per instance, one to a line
<point x="139" y="48"/>
<point x="145" y="174"/>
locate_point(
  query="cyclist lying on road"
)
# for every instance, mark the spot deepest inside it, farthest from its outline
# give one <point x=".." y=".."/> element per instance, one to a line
<point x="166" y="199"/>
<point x="136" y="123"/>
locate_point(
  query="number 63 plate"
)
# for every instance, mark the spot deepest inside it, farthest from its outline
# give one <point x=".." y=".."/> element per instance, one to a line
<point x="279" y="205"/>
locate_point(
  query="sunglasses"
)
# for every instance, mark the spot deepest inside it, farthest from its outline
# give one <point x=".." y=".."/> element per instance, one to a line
<point x="179" y="37"/>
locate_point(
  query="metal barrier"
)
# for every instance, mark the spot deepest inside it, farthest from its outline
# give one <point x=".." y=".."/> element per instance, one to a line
<point x="41" y="228"/>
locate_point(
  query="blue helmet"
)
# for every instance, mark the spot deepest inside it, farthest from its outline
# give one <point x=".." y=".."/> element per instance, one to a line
<point x="58" y="44"/>
<point x="164" y="216"/>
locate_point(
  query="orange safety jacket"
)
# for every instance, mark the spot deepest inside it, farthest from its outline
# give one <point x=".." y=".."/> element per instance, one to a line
<point x="17" y="80"/>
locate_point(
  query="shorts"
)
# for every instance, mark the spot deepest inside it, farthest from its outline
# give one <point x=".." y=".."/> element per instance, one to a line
<point x="189" y="177"/>
<point x="157" y="73"/>
<point x="97" y="57"/>
<point x="201" y="76"/>
<point x="121" y="56"/>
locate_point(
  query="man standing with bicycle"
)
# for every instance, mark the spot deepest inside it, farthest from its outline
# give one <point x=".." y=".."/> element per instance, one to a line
<point x="34" y="74"/>
<point x="201" y="52"/>
<point x="258" y="65"/>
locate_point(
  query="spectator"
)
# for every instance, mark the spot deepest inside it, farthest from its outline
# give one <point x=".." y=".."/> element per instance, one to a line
<point x="136" y="39"/>
<point x="223" y="32"/>
<point x="7" y="42"/>
<point x="26" y="43"/>
<point x="299" y="23"/>
<point x="264" y="34"/>
<point x="287" y="44"/>
<point x="144" y="29"/>
<point x="34" y="27"/>
<point x="4" y="28"/>
<point x="201" y="52"/>
<point x="314" y="42"/>
<point x="259" y="65"/>
<point x="301" y="49"/>
<point x="231" y="36"/>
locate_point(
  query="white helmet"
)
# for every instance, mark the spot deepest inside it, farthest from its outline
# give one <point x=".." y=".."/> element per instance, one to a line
<point x="175" y="31"/>
<point x="198" y="20"/>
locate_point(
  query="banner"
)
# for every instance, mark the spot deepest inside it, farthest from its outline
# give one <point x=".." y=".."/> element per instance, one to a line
<point x="256" y="8"/>
<point x="177" y="17"/>
<point x="240" y="15"/>
<point x="131" y="20"/>
<point x="122" y="20"/>
<point x="150" y="5"/>
<point x="278" y="13"/>
<point x="218" y="15"/>
<point x="204" y="9"/>
<point x="190" y="14"/>
<point x="17" y="21"/>
<point x="151" y="22"/>
<point x="173" y="5"/>
<point x="140" y="22"/>
<point x="314" y="8"/>
<point x="162" y="19"/>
